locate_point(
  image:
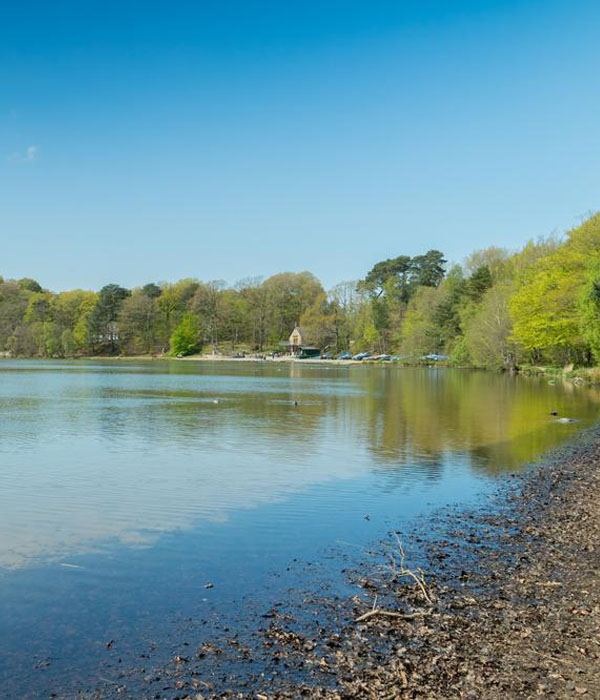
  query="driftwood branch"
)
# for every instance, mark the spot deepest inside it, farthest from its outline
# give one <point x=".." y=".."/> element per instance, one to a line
<point x="388" y="613"/>
<point x="399" y="569"/>
<point x="418" y="577"/>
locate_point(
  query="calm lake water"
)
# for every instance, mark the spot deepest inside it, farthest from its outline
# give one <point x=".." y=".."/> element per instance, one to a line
<point x="126" y="486"/>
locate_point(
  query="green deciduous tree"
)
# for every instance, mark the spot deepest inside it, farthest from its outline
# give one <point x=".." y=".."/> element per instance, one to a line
<point x="138" y="321"/>
<point x="420" y="335"/>
<point x="185" y="339"/>
<point x="589" y="308"/>
<point x="288" y="295"/>
<point x="488" y="331"/>
<point x="546" y="305"/>
<point x="544" y="309"/>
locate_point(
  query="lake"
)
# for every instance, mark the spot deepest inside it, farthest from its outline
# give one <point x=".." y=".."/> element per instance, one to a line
<point x="127" y="488"/>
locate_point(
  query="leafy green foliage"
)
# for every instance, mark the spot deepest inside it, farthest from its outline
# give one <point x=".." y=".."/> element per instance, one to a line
<point x="479" y="282"/>
<point x="546" y="307"/>
<point x="589" y="309"/>
<point x="540" y="304"/>
<point x="151" y="290"/>
<point x="186" y="337"/>
<point x="420" y="333"/>
<point x="397" y="269"/>
<point x="103" y="318"/>
<point x="29" y="284"/>
<point x="404" y="275"/>
<point x="488" y="331"/>
<point x="428" y="269"/>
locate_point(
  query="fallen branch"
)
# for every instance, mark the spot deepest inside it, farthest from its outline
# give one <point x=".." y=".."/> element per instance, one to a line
<point x="388" y="613"/>
<point x="418" y="577"/>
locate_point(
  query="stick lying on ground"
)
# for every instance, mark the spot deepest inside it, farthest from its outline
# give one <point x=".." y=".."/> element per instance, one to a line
<point x="389" y="613"/>
<point x="419" y="577"/>
<point x="393" y="613"/>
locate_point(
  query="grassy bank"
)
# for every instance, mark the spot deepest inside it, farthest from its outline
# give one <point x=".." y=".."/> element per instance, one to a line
<point x="587" y="375"/>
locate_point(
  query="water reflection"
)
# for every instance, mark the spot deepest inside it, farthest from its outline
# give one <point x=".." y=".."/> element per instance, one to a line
<point x="97" y="453"/>
<point x="503" y="420"/>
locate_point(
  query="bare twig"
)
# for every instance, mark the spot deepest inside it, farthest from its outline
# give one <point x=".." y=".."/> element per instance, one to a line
<point x="418" y="577"/>
<point x="388" y="613"/>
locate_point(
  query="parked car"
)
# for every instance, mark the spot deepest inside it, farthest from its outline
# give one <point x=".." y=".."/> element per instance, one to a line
<point x="345" y="356"/>
<point x="362" y="356"/>
<point x="327" y="356"/>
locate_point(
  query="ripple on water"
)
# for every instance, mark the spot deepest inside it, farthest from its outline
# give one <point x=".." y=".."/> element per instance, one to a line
<point x="132" y="473"/>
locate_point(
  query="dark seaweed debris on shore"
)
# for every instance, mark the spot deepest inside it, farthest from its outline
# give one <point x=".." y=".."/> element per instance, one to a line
<point x="509" y="608"/>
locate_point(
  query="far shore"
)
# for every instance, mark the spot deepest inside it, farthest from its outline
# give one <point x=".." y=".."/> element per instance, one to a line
<point x="202" y="358"/>
<point x="582" y="376"/>
<point x="266" y="358"/>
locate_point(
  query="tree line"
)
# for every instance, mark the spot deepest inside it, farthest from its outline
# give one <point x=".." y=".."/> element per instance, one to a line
<point x="499" y="309"/>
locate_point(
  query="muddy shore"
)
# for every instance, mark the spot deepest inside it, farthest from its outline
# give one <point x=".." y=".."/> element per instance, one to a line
<point x="502" y="601"/>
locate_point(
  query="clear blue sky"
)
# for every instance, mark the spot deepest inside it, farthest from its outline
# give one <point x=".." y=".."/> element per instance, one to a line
<point x="144" y="141"/>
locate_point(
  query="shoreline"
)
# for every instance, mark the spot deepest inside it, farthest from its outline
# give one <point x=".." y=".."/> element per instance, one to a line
<point x="589" y="376"/>
<point x="197" y="358"/>
<point x="509" y="607"/>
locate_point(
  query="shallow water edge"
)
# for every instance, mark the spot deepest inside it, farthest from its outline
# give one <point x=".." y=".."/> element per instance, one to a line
<point x="513" y="609"/>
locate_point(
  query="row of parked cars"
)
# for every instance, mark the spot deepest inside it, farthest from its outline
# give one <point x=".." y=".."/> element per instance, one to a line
<point x="382" y="358"/>
<point x="361" y="356"/>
